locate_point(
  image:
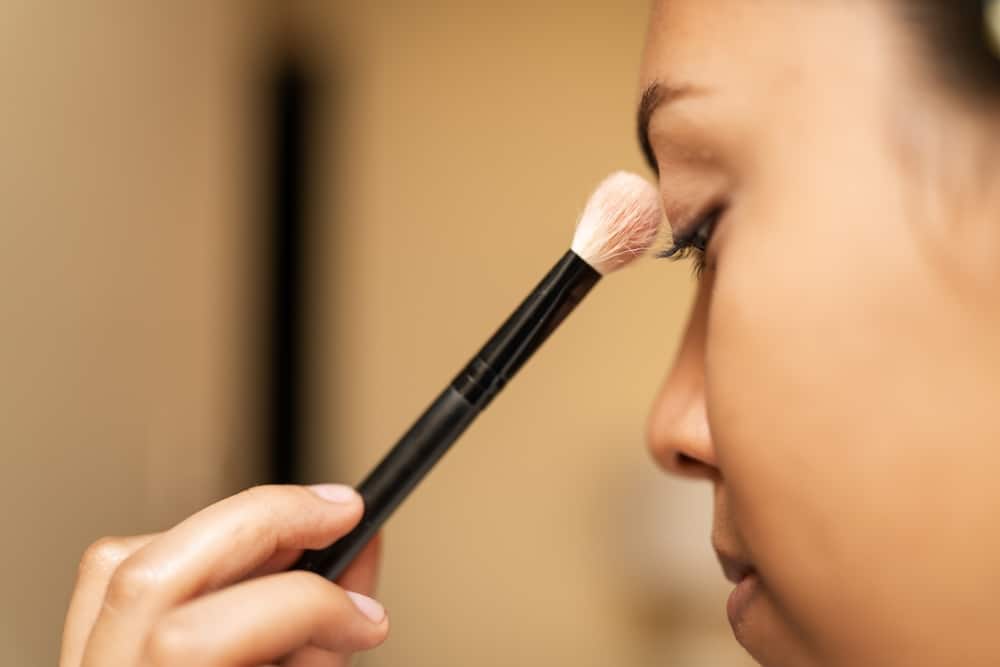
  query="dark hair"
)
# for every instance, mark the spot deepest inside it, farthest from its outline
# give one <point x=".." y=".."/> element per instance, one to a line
<point x="959" y="43"/>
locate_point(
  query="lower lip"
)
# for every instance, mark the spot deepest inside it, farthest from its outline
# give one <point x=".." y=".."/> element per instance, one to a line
<point x="740" y="599"/>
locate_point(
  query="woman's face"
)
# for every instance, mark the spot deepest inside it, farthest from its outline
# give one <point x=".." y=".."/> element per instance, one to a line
<point x="839" y="380"/>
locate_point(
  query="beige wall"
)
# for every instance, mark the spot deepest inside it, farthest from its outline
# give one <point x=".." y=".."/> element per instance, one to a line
<point x="120" y="284"/>
<point x="474" y="133"/>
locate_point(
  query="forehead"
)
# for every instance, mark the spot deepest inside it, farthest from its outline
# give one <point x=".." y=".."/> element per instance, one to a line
<point x="697" y="38"/>
<point x="756" y="43"/>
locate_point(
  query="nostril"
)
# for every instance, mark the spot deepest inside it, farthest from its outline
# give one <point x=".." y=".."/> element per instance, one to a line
<point x="692" y="467"/>
<point x="686" y="463"/>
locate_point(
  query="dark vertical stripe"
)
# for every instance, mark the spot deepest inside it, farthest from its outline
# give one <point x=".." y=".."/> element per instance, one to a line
<point x="285" y="237"/>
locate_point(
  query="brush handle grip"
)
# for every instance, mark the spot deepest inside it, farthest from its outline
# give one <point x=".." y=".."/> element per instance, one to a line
<point x="393" y="479"/>
<point x="517" y="339"/>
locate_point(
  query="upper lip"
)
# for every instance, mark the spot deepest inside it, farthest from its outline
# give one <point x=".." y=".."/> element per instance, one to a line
<point x="734" y="567"/>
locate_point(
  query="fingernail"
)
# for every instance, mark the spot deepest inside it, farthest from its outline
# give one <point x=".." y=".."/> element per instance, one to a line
<point x="370" y="608"/>
<point x="335" y="493"/>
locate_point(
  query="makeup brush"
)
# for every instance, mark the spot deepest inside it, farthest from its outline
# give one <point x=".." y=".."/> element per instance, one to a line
<point x="619" y="224"/>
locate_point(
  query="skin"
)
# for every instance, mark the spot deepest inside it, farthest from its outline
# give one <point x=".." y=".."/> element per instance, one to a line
<point x="156" y="599"/>
<point x="836" y="383"/>
<point x="838" y="379"/>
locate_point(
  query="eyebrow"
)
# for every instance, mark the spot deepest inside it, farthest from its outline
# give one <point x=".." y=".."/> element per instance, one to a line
<point x="656" y="95"/>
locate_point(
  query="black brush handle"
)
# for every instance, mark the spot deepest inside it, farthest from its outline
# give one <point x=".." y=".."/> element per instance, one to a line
<point x="394" y="477"/>
<point x="450" y="414"/>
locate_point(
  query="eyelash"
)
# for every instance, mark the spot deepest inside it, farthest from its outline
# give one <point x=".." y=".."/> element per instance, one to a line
<point x="693" y="244"/>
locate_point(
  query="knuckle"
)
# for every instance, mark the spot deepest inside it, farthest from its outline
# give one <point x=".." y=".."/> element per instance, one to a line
<point x="260" y="492"/>
<point x="130" y="582"/>
<point x="263" y="508"/>
<point x="274" y="504"/>
<point x="104" y="555"/>
<point x="265" y="492"/>
<point x="289" y="516"/>
<point x="270" y="499"/>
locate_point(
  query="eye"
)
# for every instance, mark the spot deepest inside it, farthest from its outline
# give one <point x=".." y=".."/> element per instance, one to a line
<point x="694" y="243"/>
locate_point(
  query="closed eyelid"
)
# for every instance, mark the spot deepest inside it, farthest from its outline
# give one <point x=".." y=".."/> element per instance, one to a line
<point x="695" y="136"/>
<point x="676" y="150"/>
<point x="683" y="135"/>
<point x="688" y="194"/>
<point x="681" y="221"/>
<point x="706" y="215"/>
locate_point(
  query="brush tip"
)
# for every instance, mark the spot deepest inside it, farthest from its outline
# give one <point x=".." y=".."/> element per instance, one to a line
<point x="619" y="224"/>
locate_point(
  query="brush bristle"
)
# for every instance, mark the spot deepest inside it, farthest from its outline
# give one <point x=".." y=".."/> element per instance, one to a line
<point x="619" y="224"/>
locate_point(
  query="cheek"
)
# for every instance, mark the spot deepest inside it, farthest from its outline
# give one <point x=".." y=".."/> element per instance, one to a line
<point x="836" y="394"/>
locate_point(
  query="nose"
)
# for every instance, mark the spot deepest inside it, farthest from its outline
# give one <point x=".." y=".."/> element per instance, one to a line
<point x="679" y="436"/>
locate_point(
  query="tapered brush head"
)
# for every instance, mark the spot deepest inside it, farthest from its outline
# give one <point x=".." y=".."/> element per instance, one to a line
<point x="620" y="223"/>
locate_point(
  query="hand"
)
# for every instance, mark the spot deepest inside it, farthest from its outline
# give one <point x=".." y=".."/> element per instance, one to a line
<point x="213" y="590"/>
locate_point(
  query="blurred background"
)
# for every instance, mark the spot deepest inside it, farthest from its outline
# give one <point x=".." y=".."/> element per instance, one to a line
<point x="247" y="242"/>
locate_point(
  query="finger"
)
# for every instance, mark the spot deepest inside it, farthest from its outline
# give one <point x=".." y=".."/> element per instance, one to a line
<point x="365" y="565"/>
<point x="99" y="562"/>
<point x="262" y="620"/>
<point x="279" y="562"/>
<point x="310" y="656"/>
<point x="362" y="574"/>
<point x="217" y="546"/>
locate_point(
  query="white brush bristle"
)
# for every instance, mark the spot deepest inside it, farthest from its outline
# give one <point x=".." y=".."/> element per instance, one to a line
<point x="619" y="224"/>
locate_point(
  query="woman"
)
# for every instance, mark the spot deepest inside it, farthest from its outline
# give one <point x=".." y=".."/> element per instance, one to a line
<point x="834" y="170"/>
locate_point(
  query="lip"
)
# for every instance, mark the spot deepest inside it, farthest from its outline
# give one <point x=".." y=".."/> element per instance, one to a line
<point x="733" y="567"/>
<point x="740" y="599"/>
<point x="742" y="573"/>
